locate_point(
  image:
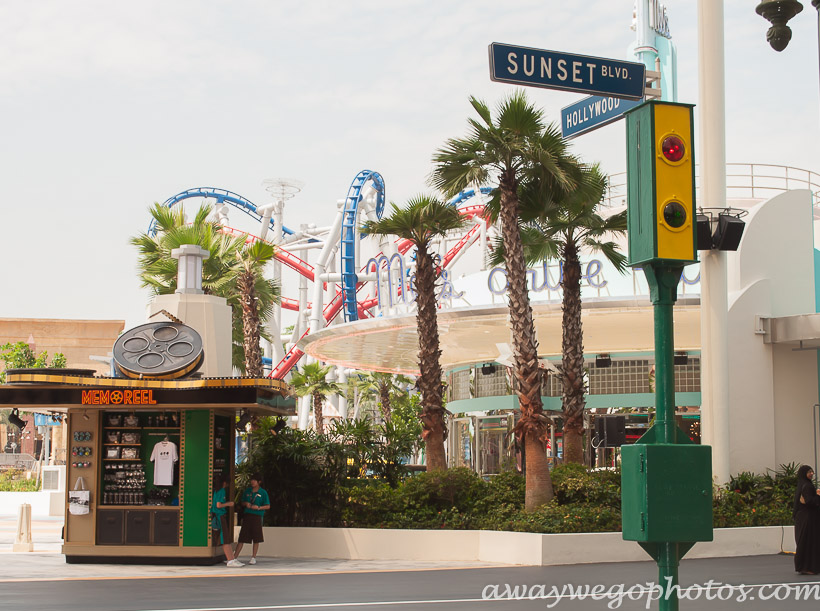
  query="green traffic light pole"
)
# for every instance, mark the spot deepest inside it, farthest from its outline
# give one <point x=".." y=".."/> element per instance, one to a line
<point x="663" y="292"/>
<point x="666" y="479"/>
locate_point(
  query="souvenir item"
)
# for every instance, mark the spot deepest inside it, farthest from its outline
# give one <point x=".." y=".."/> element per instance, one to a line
<point x="129" y="453"/>
<point x="79" y="499"/>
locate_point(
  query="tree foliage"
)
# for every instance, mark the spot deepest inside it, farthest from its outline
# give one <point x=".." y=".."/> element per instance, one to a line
<point x="421" y="220"/>
<point x="19" y="355"/>
<point x="222" y="271"/>
<point x="501" y="149"/>
<point x="312" y="382"/>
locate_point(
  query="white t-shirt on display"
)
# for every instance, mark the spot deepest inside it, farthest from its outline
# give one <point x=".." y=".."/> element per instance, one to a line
<point x="164" y="456"/>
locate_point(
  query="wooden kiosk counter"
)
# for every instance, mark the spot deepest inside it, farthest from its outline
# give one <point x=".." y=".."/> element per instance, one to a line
<point x="148" y="452"/>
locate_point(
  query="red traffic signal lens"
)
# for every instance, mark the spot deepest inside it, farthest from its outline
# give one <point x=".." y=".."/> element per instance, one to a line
<point x="673" y="148"/>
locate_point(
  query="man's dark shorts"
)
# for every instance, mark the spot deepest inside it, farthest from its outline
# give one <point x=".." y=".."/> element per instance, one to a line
<point x="251" y="529"/>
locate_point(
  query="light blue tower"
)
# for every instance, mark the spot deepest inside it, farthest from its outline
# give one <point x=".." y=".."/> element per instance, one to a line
<point x="653" y="40"/>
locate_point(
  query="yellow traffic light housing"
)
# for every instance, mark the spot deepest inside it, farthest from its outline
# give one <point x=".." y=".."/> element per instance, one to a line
<point x="661" y="184"/>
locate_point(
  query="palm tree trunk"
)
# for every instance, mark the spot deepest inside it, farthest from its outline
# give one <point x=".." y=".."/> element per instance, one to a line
<point x="318" y="417"/>
<point x="531" y="426"/>
<point x="384" y="400"/>
<point x="434" y="430"/>
<point x="250" y="325"/>
<point x="573" y="357"/>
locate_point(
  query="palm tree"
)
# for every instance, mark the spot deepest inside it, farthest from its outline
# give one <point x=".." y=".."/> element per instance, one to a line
<point x="381" y="386"/>
<point x="158" y="269"/>
<point x="562" y="226"/>
<point x="501" y="151"/>
<point x="248" y="275"/>
<point x="420" y="221"/>
<point x="311" y="382"/>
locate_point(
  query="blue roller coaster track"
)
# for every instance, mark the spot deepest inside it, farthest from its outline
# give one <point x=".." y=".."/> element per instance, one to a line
<point x="462" y="197"/>
<point x="348" y="238"/>
<point x="221" y="196"/>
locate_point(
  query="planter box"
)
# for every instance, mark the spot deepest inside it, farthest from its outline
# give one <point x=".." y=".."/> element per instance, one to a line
<point x="503" y="547"/>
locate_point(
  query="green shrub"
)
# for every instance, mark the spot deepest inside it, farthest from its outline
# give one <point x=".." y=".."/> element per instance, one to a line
<point x="12" y="480"/>
<point x="458" y="488"/>
<point x="573" y="518"/>
<point x="573" y="484"/>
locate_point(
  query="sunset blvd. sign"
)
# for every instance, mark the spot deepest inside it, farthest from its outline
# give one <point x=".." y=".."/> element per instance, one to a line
<point x="563" y="71"/>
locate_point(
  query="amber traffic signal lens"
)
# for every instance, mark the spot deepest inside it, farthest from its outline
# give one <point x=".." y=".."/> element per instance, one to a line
<point x="673" y="148"/>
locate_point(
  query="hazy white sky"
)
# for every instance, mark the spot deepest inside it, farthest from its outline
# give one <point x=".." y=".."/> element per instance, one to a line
<point x="108" y="106"/>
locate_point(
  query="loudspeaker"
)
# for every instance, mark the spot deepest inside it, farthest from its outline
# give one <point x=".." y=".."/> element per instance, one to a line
<point x="615" y="431"/>
<point x="488" y="370"/>
<point x="704" y="232"/>
<point x="681" y="359"/>
<point x="16" y="420"/>
<point x="729" y="232"/>
<point x="602" y="361"/>
<point x="600" y="429"/>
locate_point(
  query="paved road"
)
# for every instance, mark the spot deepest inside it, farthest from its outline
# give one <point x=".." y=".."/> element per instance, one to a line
<point x="275" y="584"/>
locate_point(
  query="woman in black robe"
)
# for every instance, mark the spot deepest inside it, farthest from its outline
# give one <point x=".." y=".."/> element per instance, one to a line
<point x="806" y="523"/>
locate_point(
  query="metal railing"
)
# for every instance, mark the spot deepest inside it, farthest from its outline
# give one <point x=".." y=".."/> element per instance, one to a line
<point x="16" y="461"/>
<point x="751" y="181"/>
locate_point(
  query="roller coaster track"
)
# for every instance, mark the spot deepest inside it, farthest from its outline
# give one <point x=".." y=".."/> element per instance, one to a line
<point x="285" y="256"/>
<point x="221" y="196"/>
<point x="348" y="237"/>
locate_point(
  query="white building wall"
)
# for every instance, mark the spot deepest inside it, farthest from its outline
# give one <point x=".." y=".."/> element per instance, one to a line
<point x="751" y="385"/>
<point x="795" y="393"/>
<point x="772" y="387"/>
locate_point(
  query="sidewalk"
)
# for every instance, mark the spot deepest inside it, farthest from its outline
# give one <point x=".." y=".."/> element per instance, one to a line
<point x="46" y="533"/>
<point x="46" y="563"/>
<point x="43" y="566"/>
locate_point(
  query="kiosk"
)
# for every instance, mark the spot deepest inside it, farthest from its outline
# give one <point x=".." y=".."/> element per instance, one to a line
<point x="144" y="454"/>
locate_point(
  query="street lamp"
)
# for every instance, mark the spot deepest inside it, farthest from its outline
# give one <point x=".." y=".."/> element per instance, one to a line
<point x="778" y="13"/>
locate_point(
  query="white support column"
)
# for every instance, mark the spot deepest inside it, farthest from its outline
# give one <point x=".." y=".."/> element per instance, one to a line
<point x="275" y="322"/>
<point x="303" y="412"/>
<point x="714" y="290"/>
<point x="343" y="397"/>
<point x="189" y="268"/>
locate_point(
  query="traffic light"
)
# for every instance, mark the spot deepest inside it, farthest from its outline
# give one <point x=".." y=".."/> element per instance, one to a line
<point x="661" y="184"/>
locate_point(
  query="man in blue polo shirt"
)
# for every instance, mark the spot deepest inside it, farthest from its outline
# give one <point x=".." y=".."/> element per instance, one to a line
<point x="255" y="500"/>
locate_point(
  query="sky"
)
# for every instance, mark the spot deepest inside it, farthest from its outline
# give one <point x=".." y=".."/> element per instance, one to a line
<point x="108" y="107"/>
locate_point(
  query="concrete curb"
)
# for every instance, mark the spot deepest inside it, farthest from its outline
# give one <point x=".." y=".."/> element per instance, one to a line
<point x="531" y="549"/>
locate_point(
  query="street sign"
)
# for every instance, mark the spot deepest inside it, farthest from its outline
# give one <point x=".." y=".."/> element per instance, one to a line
<point x="45" y="420"/>
<point x="566" y="72"/>
<point x="591" y="113"/>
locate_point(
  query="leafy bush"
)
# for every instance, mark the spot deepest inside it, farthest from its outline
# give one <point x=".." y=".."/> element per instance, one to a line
<point x="307" y="474"/>
<point x="12" y="480"/>
<point x="574" y="484"/>
<point x="756" y="500"/>
<point x="457" y="488"/>
<point x="574" y="518"/>
<point x="353" y="477"/>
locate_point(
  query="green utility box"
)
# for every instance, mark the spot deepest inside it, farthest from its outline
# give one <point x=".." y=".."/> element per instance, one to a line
<point x="666" y="493"/>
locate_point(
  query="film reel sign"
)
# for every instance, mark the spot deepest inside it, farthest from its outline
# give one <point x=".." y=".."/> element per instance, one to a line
<point x="159" y="350"/>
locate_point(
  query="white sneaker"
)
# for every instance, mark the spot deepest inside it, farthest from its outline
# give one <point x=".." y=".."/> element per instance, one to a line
<point x="235" y="563"/>
<point x="252" y="560"/>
